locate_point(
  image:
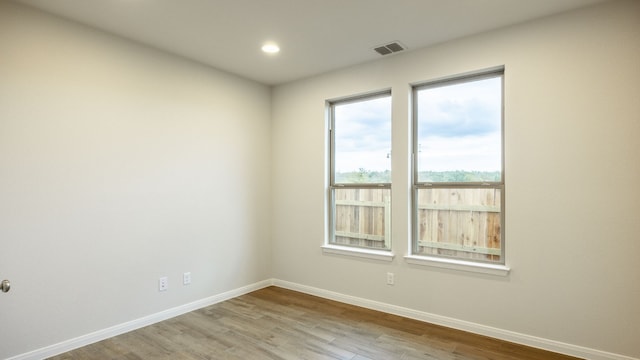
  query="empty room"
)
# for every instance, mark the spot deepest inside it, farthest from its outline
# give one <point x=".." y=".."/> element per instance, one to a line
<point x="339" y="179"/>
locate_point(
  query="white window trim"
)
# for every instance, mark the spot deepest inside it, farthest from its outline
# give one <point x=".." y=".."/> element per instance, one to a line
<point x="382" y="255"/>
<point x="500" y="269"/>
<point x="330" y="246"/>
<point x="460" y="265"/>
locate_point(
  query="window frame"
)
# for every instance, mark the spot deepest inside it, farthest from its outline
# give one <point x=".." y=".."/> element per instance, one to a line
<point x="330" y="245"/>
<point x="456" y="262"/>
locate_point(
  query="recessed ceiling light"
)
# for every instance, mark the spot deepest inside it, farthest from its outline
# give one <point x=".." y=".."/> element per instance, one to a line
<point x="270" y="48"/>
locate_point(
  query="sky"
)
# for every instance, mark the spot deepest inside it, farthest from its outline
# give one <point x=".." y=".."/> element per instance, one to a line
<point x="363" y="135"/>
<point x="458" y="125"/>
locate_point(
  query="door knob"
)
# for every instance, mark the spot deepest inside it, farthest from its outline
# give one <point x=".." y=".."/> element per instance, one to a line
<point x="5" y="286"/>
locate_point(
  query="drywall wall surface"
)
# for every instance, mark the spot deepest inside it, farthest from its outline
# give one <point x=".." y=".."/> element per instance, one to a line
<point x="120" y="164"/>
<point x="572" y="196"/>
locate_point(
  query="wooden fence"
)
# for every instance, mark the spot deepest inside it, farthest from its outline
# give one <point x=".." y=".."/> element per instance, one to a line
<point x="460" y="222"/>
<point x="463" y="223"/>
<point x="363" y="217"/>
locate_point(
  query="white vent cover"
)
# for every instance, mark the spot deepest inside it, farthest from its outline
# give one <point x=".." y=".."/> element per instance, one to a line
<point x="390" y="48"/>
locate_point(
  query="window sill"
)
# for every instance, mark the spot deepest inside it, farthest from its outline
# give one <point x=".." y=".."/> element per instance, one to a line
<point x="358" y="252"/>
<point x="461" y="265"/>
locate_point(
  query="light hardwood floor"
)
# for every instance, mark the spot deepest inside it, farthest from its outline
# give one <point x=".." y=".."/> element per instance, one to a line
<point x="274" y="323"/>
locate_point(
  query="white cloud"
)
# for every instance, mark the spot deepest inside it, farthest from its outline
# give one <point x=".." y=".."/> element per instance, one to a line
<point x="363" y="135"/>
<point x="459" y="126"/>
<point x="471" y="153"/>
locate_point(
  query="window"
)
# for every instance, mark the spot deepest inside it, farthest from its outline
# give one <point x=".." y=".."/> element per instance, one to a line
<point x="360" y="172"/>
<point x="458" y="177"/>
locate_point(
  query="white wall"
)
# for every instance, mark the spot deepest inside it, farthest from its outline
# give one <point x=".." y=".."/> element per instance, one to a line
<point x="120" y="164"/>
<point x="572" y="174"/>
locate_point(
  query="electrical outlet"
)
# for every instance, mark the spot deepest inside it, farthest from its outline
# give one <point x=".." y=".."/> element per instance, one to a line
<point x="163" y="283"/>
<point x="390" y="278"/>
<point x="186" y="278"/>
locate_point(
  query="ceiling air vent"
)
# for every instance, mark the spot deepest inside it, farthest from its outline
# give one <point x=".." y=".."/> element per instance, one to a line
<point x="389" y="48"/>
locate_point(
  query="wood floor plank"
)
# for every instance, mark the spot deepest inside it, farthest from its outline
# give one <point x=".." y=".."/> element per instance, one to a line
<point x="279" y="324"/>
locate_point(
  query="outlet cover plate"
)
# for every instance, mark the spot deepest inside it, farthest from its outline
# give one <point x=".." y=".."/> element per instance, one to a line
<point x="390" y="278"/>
<point x="163" y="284"/>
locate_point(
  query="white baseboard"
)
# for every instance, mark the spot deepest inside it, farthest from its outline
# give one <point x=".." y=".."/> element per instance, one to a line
<point x="99" y="335"/>
<point x="518" y="338"/>
<point x="506" y="335"/>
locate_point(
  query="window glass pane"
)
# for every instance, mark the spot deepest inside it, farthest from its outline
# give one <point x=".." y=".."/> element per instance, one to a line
<point x="362" y="136"/>
<point x="460" y="132"/>
<point x="362" y="217"/>
<point x="464" y="223"/>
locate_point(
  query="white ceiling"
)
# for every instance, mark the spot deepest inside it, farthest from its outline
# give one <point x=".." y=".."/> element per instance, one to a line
<point x="315" y="35"/>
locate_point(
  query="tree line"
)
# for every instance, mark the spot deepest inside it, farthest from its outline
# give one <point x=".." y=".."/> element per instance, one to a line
<point x="364" y="176"/>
